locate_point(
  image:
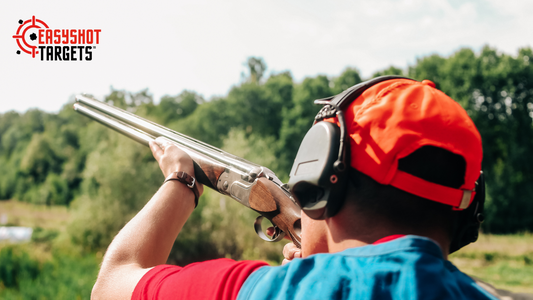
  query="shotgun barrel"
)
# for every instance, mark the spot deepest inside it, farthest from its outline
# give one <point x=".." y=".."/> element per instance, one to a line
<point x="250" y="184"/>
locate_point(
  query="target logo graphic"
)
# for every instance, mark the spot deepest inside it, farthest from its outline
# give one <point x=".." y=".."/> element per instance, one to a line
<point x="27" y="33"/>
<point x="35" y="37"/>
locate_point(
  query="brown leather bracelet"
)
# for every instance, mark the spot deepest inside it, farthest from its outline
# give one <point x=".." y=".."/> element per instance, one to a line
<point x="189" y="181"/>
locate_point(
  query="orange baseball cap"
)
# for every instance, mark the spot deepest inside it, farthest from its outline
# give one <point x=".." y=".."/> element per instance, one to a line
<point x="393" y="118"/>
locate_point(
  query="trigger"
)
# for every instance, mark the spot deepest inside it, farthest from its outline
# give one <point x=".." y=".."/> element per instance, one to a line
<point x="278" y="233"/>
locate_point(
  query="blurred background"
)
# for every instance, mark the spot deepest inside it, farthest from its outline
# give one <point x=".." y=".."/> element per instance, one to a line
<point x="241" y="76"/>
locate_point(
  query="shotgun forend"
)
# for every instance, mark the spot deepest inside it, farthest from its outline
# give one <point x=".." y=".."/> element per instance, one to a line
<point x="250" y="184"/>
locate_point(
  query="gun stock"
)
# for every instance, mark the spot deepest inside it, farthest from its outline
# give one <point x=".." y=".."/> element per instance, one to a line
<point x="252" y="185"/>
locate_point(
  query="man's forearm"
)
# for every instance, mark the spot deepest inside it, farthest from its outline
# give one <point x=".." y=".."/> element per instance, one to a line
<point x="145" y="241"/>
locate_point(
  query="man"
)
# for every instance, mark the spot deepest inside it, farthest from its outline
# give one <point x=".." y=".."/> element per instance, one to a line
<point x="415" y="156"/>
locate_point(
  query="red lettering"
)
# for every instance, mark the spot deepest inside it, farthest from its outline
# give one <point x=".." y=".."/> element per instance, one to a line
<point x="41" y="35"/>
<point x="57" y="35"/>
<point x="69" y="36"/>
<point x="97" y="31"/>
<point x="73" y="36"/>
<point x="89" y="36"/>
<point x="64" y="33"/>
<point x="48" y="36"/>
<point x="81" y="34"/>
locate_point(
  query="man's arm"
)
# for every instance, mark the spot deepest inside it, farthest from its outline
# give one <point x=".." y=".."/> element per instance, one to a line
<point x="147" y="239"/>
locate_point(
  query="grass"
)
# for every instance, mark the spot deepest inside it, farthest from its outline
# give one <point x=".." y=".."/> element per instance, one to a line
<point x="31" y="215"/>
<point x="504" y="261"/>
<point x="48" y="267"/>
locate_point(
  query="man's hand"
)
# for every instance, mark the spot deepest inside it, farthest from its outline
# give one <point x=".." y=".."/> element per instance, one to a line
<point x="290" y="252"/>
<point x="172" y="159"/>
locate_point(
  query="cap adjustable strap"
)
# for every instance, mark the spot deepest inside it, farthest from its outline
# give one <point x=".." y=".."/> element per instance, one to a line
<point x="467" y="195"/>
<point x="458" y="198"/>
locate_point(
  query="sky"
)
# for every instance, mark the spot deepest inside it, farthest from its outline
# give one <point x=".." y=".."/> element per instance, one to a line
<point x="202" y="45"/>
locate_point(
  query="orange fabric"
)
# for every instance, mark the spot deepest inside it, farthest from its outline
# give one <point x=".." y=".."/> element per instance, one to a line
<point x="393" y="118"/>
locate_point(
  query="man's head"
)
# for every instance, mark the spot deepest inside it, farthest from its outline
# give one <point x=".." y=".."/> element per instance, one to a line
<point x="407" y="140"/>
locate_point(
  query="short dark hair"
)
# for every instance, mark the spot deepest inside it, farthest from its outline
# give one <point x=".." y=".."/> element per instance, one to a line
<point x="430" y="163"/>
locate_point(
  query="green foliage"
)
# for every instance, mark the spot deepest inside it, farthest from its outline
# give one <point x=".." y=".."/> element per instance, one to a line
<point x="180" y="106"/>
<point x="298" y="119"/>
<point x="256" y="67"/>
<point x="348" y="78"/>
<point x="119" y="177"/>
<point x="218" y="112"/>
<point x="63" y="276"/>
<point x="129" y="101"/>
<point x="16" y="267"/>
<point x="392" y="70"/>
<point x="41" y="235"/>
<point x="510" y="272"/>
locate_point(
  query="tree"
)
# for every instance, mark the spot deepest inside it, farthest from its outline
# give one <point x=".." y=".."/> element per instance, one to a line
<point x="298" y="119"/>
<point x="173" y="108"/>
<point x="428" y="68"/>
<point x="392" y="70"/>
<point x="348" y="78"/>
<point x="256" y="67"/>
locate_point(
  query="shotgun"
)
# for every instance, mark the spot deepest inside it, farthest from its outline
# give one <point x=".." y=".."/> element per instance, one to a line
<point x="252" y="185"/>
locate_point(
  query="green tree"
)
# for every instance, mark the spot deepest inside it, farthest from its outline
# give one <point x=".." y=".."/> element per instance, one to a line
<point x="392" y="70"/>
<point x="174" y="108"/>
<point x="298" y="119"/>
<point x="428" y="68"/>
<point x="256" y="67"/>
<point x="348" y="78"/>
<point x="119" y="177"/>
<point x="40" y="158"/>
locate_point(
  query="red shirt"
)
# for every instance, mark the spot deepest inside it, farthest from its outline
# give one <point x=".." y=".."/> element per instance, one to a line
<point x="213" y="279"/>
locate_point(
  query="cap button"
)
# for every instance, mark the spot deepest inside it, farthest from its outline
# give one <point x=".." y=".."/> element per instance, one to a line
<point x="428" y="82"/>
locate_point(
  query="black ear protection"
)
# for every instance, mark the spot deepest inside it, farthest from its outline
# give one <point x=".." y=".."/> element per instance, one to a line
<point x="319" y="175"/>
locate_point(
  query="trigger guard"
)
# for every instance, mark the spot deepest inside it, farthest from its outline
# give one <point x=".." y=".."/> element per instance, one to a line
<point x="259" y="230"/>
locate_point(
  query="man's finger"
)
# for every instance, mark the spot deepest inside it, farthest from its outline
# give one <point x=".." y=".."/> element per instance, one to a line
<point x="156" y="150"/>
<point x="290" y="251"/>
<point x="270" y="232"/>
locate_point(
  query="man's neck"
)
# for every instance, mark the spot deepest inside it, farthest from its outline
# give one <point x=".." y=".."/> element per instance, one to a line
<point x="346" y="232"/>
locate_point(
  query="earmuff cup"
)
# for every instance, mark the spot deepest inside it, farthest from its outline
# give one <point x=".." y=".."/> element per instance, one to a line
<point x="316" y="185"/>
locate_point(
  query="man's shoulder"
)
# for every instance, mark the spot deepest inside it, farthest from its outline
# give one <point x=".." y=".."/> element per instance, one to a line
<point x="212" y="279"/>
<point x="410" y="252"/>
<point x="410" y="267"/>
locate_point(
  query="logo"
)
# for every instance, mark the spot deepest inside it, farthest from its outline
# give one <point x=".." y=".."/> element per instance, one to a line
<point x="35" y="37"/>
